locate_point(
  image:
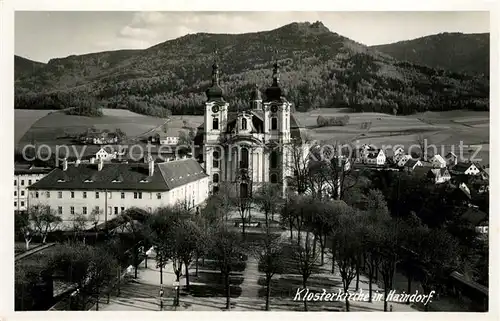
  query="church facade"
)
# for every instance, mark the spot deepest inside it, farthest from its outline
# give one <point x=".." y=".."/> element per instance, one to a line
<point x="248" y="147"/>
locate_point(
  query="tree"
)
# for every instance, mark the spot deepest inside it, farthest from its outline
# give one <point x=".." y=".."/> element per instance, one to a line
<point x="305" y="258"/>
<point x="270" y="252"/>
<point x="44" y="219"/>
<point x="72" y="263"/>
<point x="298" y="163"/>
<point x="79" y="225"/>
<point x="348" y="247"/>
<point x="242" y="203"/>
<point x="131" y="224"/>
<point x="23" y="226"/>
<point x="158" y="228"/>
<point x="102" y="272"/>
<point x="225" y="247"/>
<point x="390" y="253"/>
<point x="268" y="199"/>
<point x="438" y="256"/>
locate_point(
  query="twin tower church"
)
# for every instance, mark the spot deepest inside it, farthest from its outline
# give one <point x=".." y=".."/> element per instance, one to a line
<point x="251" y="146"/>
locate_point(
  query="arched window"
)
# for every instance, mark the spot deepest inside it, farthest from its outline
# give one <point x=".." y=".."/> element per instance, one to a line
<point x="274" y="178"/>
<point x="216" y="156"/>
<point x="244" y="158"/>
<point x="244" y="123"/>
<point x="274" y="123"/>
<point x="215" y="178"/>
<point x="274" y="159"/>
<point x="215" y="123"/>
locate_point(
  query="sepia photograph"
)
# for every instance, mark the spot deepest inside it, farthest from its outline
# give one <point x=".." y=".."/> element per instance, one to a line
<point x="251" y="161"/>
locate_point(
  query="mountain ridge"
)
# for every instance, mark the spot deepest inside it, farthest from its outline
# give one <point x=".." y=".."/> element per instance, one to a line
<point x="455" y="51"/>
<point x="319" y="68"/>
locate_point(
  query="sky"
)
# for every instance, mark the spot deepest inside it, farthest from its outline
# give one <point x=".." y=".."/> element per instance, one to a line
<point x="42" y="35"/>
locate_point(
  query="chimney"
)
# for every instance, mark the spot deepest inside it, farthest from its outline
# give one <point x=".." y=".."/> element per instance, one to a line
<point x="151" y="167"/>
<point x="100" y="165"/>
<point x="65" y="165"/>
<point x="92" y="160"/>
<point x="77" y="162"/>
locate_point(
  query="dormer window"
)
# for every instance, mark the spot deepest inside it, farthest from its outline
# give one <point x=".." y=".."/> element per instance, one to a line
<point x="88" y="180"/>
<point x="144" y="180"/>
<point x="243" y="123"/>
<point x="116" y="180"/>
<point x="61" y="180"/>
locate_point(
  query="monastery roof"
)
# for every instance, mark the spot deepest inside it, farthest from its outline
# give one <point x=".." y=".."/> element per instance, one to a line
<point x="113" y="176"/>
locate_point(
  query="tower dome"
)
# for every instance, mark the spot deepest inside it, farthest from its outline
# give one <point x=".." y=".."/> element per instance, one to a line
<point x="215" y="92"/>
<point x="274" y="92"/>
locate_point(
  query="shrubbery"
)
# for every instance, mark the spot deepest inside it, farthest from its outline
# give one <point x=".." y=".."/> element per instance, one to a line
<point x="332" y="121"/>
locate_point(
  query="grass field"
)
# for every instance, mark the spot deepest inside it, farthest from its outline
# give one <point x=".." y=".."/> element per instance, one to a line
<point x="52" y="128"/>
<point x="444" y="129"/>
<point x="24" y="119"/>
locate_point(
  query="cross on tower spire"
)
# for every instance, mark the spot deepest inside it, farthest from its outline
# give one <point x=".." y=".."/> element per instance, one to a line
<point x="276" y="71"/>
<point x="215" y="70"/>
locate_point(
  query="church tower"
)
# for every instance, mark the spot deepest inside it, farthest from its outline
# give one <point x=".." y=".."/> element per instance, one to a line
<point x="216" y="109"/>
<point x="277" y="131"/>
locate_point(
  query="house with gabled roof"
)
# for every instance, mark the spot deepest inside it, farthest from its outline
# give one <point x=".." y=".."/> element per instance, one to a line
<point x="451" y="159"/>
<point x="439" y="175"/>
<point x="411" y="164"/>
<point x="437" y="161"/>
<point x="112" y="188"/>
<point x="465" y="169"/>
<point x="477" y="218"/>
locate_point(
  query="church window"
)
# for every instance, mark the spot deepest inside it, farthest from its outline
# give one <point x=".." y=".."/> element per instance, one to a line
<point x="215" y="163"/>
<point x="244" y="158"/>
<point x="215" y="123"/>
<point x="243" y="123"/>
<point x="216" y="178"/>
<point x="274" y="159"/>
<point x="274" y="123"/>
<point x="274" y="178"/>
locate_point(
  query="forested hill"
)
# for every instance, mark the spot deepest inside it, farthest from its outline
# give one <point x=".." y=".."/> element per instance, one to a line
<point x="319" y="68"/>
<point x="24" y="66"/>
<point x="468" y="53"/>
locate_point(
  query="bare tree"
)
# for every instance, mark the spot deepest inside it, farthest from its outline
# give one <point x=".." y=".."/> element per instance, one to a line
<point x="298" y="163"/>
<point x="131" y="224"/>
<point x="270" y="252"/>
<point x="347" y="248"/>
<point x="79" y="225"/>
<point x="44" y="219"/>
<point x="23" y="226"/>
<point x="268" y="199"/>
<point x="226" y="248"/>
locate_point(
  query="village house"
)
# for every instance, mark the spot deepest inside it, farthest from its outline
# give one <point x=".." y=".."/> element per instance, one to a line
<point x="439" y="175"/>
<point x="411" y="164"/>
<point x="437" y="161"/>
<point x="24" y="176"/>
<point x="403" y="159"/>
<point x="112" y="188"/>
<point x="478" y="219"/>
<point x="376" y="157"/>
<point x="451" y="159"/>
<point x="99" y="138"/>
<point x="168" y="137"/>
<point x="465" y="169"/>
<point x="398" y="154"/>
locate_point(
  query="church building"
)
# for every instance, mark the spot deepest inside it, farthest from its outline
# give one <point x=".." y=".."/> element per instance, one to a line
<point x="251" y="146"/>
